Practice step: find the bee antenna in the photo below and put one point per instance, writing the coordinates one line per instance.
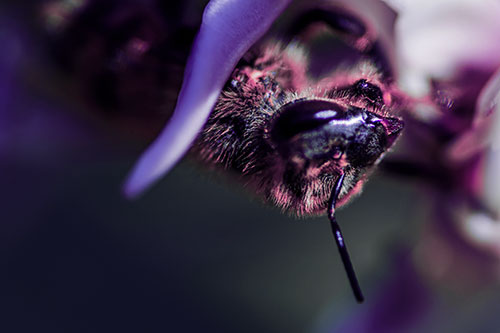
(339, 239)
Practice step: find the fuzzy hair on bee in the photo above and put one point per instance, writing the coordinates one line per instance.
(237, 136)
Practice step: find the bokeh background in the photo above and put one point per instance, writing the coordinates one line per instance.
(196, 253)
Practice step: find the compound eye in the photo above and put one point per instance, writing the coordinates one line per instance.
(304, 116)
(369, 91)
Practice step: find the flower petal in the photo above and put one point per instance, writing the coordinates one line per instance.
(229, 28)
(488, 104)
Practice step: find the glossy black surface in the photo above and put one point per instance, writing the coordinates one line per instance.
(339, 239)
(318, 129)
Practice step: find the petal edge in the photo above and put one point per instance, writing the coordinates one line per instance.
(229, 28)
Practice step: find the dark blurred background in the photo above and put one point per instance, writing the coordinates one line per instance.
(196, 253)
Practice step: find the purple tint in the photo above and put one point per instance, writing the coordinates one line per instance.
(228, 30)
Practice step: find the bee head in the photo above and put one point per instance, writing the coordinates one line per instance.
(303, 107)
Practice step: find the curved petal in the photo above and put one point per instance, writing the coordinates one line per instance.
(483, 139)
(229, 28)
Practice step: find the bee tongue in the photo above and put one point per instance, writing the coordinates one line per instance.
(339, 239)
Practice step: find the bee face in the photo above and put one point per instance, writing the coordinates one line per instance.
(289, 136)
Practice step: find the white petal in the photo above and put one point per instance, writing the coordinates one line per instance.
(435, 39)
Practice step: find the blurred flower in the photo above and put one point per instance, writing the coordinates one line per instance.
(447, 53)
(436, 40)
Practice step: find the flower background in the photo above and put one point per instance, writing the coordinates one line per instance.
(195, 253)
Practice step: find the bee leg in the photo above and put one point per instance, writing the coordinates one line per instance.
(339, 239)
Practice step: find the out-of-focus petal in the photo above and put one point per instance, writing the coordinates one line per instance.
(436, 39)
(484, 134)
(482, 142)
(491, 176)
(483, 137)
(228, 30)
(488, 102)
(484, 232)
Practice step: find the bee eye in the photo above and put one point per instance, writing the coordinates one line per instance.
(369, 91)
(304, 116)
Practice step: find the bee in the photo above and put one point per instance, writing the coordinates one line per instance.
(306, 142)
(290, 140)
(306, 115)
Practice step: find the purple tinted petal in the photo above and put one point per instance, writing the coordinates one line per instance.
(228, 30)
(489, 112)
(489, 99)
